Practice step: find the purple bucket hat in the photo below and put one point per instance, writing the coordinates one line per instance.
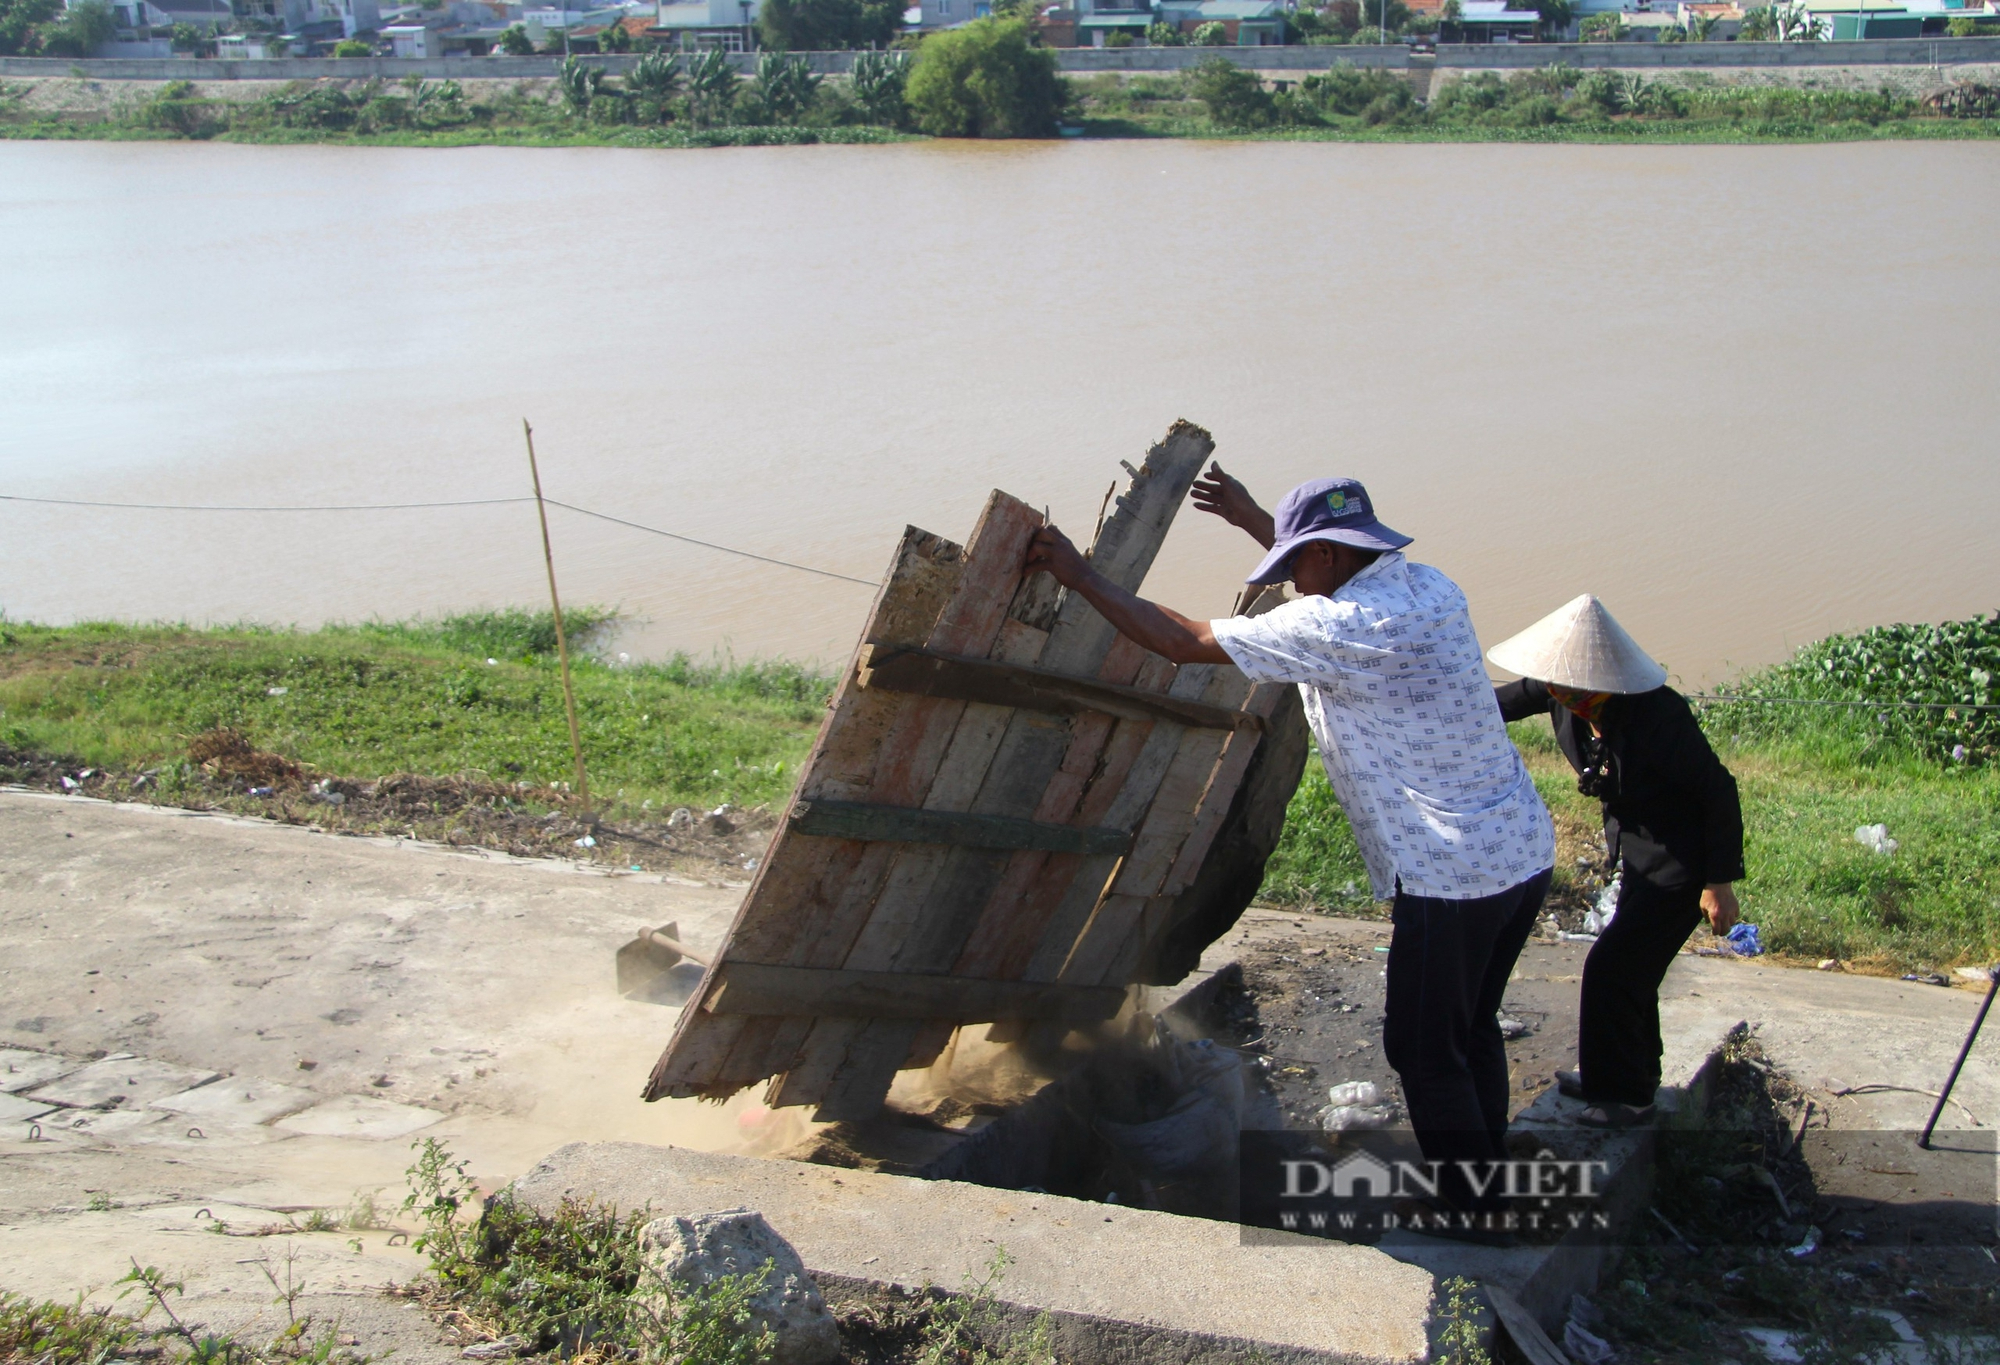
(1325, 509)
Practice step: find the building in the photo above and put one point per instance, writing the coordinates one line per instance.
(951, 13)
(1491, 21)
(694, 24)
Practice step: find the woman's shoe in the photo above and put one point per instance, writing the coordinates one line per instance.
(1570, 1083)
(1611, 1114)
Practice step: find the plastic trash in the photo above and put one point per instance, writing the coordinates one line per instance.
(1875, 838)
(1584, 1346)
(1806, 1247)
(69, 784)
(492, 663)
(682, 818)
(1598, 918)
(1743, 941)
(261, 791)
(1354, 1105)
(586, 842)
(1958, 753)
(1515, 1028)
(276, 691)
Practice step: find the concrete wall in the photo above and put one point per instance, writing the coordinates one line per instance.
(1498, 56)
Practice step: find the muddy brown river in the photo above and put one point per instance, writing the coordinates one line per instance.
(1746, 395)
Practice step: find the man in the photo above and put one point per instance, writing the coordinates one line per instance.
(1449, 823)
(1672, 823)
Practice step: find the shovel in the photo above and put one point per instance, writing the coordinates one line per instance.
(654, 951)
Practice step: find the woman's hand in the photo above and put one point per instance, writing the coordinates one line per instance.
(1718, 902)
(1220, 495)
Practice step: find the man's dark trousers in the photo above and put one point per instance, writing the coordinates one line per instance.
(1449, 961)
(1618, 1032)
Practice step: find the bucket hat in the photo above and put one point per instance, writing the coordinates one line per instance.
(1325, 509)
(1580, 645)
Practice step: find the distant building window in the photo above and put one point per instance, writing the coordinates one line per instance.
(944, 9)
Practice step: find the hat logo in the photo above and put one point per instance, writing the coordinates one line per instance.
(1336, 502)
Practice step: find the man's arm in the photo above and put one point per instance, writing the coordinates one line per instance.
(1167, 633)
(1222, 496)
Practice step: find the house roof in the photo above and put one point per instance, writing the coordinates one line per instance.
(1117, 19)
(1239, 9)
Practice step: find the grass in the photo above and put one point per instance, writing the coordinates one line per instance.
(361, 701)
(474, 694)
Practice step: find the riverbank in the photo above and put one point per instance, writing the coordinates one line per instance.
(1555, 103)
(468, 712)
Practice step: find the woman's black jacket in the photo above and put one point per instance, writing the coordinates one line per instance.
(1670, 807)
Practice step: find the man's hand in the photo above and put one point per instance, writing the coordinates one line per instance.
(1718, 902)
(1220, 495)
(1050, 552)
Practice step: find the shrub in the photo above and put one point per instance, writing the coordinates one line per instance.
(1235, 97)
(515, 42)
(579, 85)
(353, 47)
(1603, 28)
(1210, 34)
(1971, 28)
(1118, 37)
(1345, 90)
(986, 80)
(177, 109)
(1165, 35)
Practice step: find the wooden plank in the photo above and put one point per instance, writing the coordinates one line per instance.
(992, 594)
(900, 824)
(757, 988)
(1022, 769)
(925, 674)
(925, 572)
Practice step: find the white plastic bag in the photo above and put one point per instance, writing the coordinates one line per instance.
(1875, 838)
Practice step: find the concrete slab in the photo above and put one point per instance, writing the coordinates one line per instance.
(359, 1116)
(120, 1082)
(240, 1100)
(21, 1069)
(1119, 1285)
(14, 1109)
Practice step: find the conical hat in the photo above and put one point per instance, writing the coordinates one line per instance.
(1579, 645)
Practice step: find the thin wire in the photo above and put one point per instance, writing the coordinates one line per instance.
(187, 507)
(413, 506)
(1864, 705)
(711, 545)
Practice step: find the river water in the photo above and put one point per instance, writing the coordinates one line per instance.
(1746, 395)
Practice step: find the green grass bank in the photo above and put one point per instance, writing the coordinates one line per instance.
(477, 699)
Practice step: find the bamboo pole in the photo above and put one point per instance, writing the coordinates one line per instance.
(555, 605)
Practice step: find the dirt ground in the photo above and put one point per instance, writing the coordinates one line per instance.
(527, 821)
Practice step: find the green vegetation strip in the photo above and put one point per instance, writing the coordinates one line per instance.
(479, 695)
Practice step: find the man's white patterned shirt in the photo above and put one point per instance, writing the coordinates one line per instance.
(1399, 701)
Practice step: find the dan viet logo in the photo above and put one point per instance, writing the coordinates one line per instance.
(1366, 1193)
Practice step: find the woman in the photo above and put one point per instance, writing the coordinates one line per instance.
(1671, 821)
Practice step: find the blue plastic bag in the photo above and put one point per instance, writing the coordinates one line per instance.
(1743, 941)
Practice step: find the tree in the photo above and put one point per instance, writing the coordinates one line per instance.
(656, 76)
(786, 86)
(1603, 28)
(1796, 24)
(1210, 34)
(1449, 18)
(515, 42)
(19, 21)
(1555, 14)
(1235, 97)
(1757, 25)
(87, 27)
(827, 25)
(986, 79)
(1702, 29)
(616, 38)
(878, 80)
(579, 84)
(711, 82)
